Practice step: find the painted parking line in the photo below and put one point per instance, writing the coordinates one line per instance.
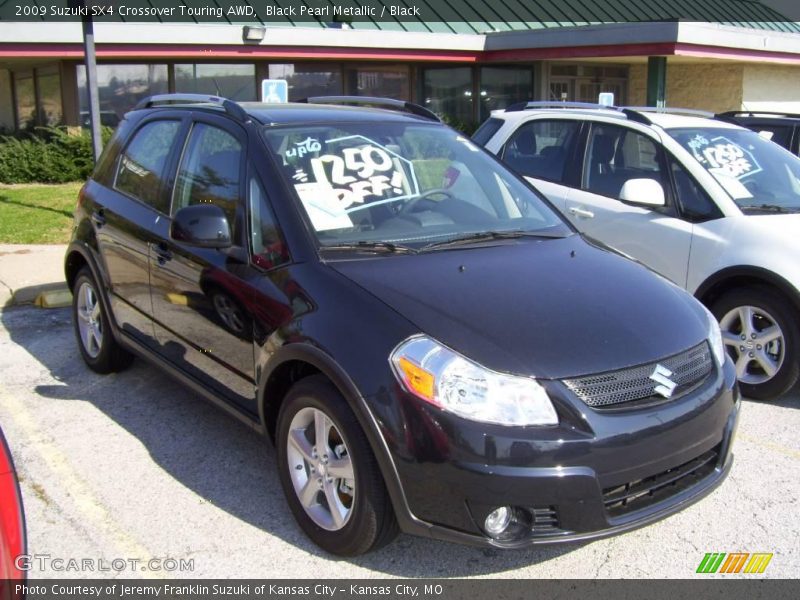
(90, 508)
(780, 449)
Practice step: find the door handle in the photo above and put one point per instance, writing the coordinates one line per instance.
(581, 212)
(99, 218)
(162, 253)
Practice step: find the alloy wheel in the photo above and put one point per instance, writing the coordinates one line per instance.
(755, 342)
(320, 469)
(90, 323)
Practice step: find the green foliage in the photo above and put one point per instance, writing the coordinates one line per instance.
(465, 127)
(47, 155)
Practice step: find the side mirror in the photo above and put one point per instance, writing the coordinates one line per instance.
(203, 225)
(645, 192)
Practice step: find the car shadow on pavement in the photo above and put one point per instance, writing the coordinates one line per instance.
(220, 459)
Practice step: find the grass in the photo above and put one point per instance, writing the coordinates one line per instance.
(37, 213)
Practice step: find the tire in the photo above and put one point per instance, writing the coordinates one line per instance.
(99, 349)
(363, 519)
(767, 359)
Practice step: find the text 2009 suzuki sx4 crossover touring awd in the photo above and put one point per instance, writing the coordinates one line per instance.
(429, 345)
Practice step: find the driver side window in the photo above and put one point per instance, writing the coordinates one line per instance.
(615, 155)
(210, 172)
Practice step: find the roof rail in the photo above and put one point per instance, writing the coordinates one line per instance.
(555, 104)
(387, 102)
(756, 113)
(668, 110)
(231, 107)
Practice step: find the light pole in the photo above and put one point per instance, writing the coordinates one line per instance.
(90, 61)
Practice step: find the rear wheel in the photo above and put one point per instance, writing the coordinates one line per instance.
(99, 349)
(329, 475)
(760, 335)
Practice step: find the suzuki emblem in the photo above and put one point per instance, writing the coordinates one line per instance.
(665, 385)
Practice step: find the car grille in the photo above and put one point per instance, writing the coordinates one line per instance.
(605, 390)
(639, 494)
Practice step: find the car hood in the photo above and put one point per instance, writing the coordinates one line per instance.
(550, 308)
(784, 225)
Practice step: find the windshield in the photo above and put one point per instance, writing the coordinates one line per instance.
(406, 184)
(759, 175)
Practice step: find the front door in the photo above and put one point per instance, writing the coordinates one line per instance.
(658, 237)
(201, 305)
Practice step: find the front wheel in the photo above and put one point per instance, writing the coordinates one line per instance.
(761, 337)
(329, 475)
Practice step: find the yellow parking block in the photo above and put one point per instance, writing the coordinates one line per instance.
(54, 299)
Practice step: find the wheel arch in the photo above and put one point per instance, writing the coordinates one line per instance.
(78, 256)
(730, 278)
(295, 361)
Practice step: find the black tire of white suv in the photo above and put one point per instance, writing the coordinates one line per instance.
(759, 329)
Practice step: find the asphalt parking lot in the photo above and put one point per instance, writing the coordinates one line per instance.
(133, 467)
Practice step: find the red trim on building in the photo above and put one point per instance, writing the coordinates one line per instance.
(168, 52)
(234, 52)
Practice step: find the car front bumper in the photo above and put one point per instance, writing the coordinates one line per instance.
(597, 474)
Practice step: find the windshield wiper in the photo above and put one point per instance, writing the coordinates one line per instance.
(771, 208)
(364, 246)
(488, 236)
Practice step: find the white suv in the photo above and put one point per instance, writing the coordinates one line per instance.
(707, 204)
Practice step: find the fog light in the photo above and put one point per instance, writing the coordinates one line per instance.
(498, 521)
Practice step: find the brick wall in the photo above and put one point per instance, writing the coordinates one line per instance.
(769, 87)
(716, 87)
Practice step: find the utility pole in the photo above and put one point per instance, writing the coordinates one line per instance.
(91, 80)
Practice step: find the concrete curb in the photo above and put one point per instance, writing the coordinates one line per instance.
(33, 274)
(46, 295)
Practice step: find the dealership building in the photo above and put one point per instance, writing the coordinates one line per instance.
(748, 60)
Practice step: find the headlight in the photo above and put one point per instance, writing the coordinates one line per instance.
(456, 384)
(715, 338)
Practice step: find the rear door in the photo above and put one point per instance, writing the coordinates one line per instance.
(658, 237)
(130, 213)
(544, 152)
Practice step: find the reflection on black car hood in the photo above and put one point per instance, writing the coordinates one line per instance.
(548, 308)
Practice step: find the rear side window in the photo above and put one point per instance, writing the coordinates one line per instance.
(209, 171)
(140, 171)
(486, 131)
(540, 148)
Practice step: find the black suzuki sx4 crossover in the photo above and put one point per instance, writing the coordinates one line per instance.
(430, 347)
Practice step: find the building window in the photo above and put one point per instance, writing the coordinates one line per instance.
(306, 80)
(237, 82)
(48, 87)
(584, 83)
(381, 82)
(503, 86)
(448, 92)
(120, 87)
(37, 97)
(25, 100)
